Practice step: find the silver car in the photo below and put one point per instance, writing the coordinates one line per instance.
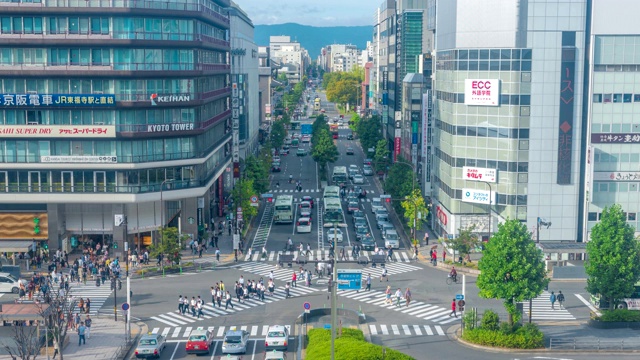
(367, 170)
(150, 346)
(235, 342)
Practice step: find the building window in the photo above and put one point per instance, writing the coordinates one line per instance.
(593, 216)
(626, 98)
(632, 216)
(617, 98)
(606, 98)
(597, 98)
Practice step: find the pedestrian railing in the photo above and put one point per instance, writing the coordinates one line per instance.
(594, 344)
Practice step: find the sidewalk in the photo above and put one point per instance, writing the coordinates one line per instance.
(107, 339)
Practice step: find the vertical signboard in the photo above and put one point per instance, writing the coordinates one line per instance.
(566, 114)
(235, 126)
(425, 123)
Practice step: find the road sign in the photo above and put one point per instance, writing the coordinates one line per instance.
(307, 306)
(191, 220)
(459, 297)
(254, 200)
(349, 279)
(125, 306)
(264, 196)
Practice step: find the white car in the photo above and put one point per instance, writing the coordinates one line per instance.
(303, 225)
(305, 209)
(391, 239)
(277, 338)
(358, 179)
(334, 234)
(376, 203)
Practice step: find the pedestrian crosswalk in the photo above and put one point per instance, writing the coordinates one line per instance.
(183, 332)
(174, 318)
(417, 309)
(98, 295)
(541, 309)
(402, 256)
(406, 330)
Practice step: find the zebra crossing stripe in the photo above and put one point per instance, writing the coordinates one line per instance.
(395, 330)
(415, 307)
(405, 328)
(176, 332)
(384, 330)
(187, 332)
(444, 322)
(416, 329)
(220, 331)
(436, 314)
(254, 331)
(439, 330)
(165, 321)
(427, 328)
(373, 330)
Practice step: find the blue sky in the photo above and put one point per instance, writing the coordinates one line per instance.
(311, 12)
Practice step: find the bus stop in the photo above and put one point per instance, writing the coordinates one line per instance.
(564, 258)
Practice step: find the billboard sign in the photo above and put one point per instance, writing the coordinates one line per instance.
(78, 159)
(478, 196)
(54, 100)
(482, 92)
(58, 131)
(349, 279)
(479, 174)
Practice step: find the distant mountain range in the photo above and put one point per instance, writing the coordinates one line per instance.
(313, 38)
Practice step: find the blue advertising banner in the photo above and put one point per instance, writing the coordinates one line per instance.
(349, 279)
(46, 100)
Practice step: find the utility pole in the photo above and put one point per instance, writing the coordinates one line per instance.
(334, 306)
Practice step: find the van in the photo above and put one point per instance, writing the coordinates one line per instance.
(9, 283)
(391, 239)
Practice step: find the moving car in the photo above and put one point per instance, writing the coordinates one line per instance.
(303, 225)
(235, 342)
(275, 355)
(200, 342)
(277, 338)
(382, 212)
(391, 238)
(305, 138)
(10, 283)
(350, 137)
(334, 234)
(308, 199)
(275, 167)
(376, 203)
(361, 231)
(150, 346)
(353, 169)
(285, 150)
(358, 214)
(368, 243)
(301, 152)
(358, 179)
(349, 151)
(305, 209)
(367, 170)
(384, 226)
(381, 218)
(361, 222)
(353, 206)
(367, 162)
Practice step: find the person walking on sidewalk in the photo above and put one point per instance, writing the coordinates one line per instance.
(407, 296)
(218, 254)
(426, 238)
(87, 323)
(368, 288)
(415, 253)
(453, 308)
(81, 332)
(398, 297)
(560, 299)
(553, 298)
(228, 301)
(444, 255)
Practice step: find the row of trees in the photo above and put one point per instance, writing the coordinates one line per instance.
(323, 149)
(343, 87)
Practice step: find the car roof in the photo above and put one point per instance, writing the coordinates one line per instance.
(305, 202)
(277, 327)
(304, 219)
(150, 336)
(234, 333)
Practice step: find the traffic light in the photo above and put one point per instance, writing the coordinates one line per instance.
(45, 246)
(115, 245)
(387, 200)
(269, 199)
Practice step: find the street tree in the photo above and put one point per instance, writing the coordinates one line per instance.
(464, 242)
(324, 150)
(613, 262)
(257, 171)
(278, 133)
(241, 195)
(369, 132)
(354, 122)
(415, 210)
(23, 343)
(170, 245)
(511, 267)
(381, 157)
(400, 179)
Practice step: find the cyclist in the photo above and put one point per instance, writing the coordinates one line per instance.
(290, 244)
(290, 178)
(453, 274)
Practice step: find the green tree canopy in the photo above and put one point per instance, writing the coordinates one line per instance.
(354, 122)
(278, 133)
(170, 245)
(415, 209)
(511, 267)
(241, 195)
(464, 242)
(369, 132)
(324, 150)
(381, 157)
(257, 171)
(613, 263)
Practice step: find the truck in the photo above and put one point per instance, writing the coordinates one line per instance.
(305, 129)
(333, 128)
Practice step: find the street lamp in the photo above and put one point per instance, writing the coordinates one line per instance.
(334, 286)
(539, 222)
(162, 202)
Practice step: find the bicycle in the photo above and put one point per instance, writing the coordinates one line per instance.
(450, 280)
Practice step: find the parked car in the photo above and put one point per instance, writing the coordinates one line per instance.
(235, 342)
(391, 238)
(308, 199)
(150, 346)
(358, 179)
(303, 225)
(349, 151)
(277, 338)
(334, 234)
(353, 206)
(200, 342)
(367, 170)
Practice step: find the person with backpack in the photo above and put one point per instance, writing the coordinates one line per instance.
(552, 298)
(560, 299)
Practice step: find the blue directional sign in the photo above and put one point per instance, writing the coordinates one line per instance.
(349, 279)
(459, 297)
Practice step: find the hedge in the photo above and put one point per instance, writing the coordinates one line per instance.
(619, 315)
(351, 345)
(524, 337)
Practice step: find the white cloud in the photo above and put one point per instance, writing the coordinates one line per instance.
(336, 12)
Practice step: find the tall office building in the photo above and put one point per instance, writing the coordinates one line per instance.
(115, 119)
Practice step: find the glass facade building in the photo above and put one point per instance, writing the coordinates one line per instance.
(109, 106)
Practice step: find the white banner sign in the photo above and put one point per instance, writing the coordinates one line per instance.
(479, 174)
(477, 196)
(482, 92)
(58, 131)
(616, 176)
(79, 159)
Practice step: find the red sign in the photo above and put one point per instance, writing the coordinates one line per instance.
(442, 216)
(397, 146)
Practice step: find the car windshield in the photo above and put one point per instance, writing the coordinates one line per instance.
(197, 338)
(353, 204)
(276, 334)
(147, 342)
(233, 339)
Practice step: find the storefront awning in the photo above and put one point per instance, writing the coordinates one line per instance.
(15, 245)
(561, 247)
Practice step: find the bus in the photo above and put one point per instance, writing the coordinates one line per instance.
(332, 211)
(332, 192)
(316, 104)
(630, 303)
(339, 176)
(334, 130)
(283, 209)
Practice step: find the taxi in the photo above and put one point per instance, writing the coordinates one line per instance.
(150, 346)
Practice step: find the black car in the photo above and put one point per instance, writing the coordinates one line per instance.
(350, 137)
(349, 151)
(368, 243)
(275, 168)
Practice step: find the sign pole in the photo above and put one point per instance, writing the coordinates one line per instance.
(334, 305)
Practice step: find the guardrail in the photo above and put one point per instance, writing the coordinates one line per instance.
(596, 344)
